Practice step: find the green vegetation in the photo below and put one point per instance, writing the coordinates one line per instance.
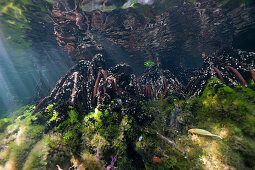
(229, 112)
(36, 157)
(14, 22)
(114, 129)
(4, 123)
(25, 146)
(149, 63)
(52, 114)
(71, 129)
(27, 137)
(222, 110)
(20, 136)
(76, 138)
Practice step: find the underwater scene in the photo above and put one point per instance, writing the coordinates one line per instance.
(127, 84)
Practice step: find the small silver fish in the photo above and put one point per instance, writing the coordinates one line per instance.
(203, 132)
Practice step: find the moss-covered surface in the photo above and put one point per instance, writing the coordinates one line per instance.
(88, 140)
(15, 21)
(230, 113)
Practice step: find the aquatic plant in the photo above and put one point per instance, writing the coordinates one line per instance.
(225, 111)
(16, 22)
(19, 138)
(94, 113)
(4, 123)
(142, 129)
(113, 130)
(89, 140)
(149, 63)
(229, 112)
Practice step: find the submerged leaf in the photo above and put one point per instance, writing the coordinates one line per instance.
(149, 63)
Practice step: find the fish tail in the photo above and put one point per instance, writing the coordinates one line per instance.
(219, 136)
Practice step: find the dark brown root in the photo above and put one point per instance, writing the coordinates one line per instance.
(104, 73)
(238, 75)
(96, 86)
(165, 90)
(164, 80)
(74, 91)
(252, 73)
(219, 74)
(192, 79)
(150, 90)
(40, 103)
(164, 94)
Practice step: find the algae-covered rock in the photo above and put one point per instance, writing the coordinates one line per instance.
(222, 110)
(230, 113)
(18, 139)
(113, 135)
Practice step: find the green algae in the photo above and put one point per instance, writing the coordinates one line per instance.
(229, 112)
(52, 113)
(36, 158)
(69, 128)
(149, 63)
(19, 149)
(4, 123)
(14, 23)
(74, 141)
(29, 147)
(221, 109)
(112, 129)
